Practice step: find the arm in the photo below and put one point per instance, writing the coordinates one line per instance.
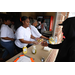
(24, 41)
(7, 38)
(46, 28)
(55, 46)
(34, 37)
(28, 42)
(44, 37)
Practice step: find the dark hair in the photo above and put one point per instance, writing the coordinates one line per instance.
(24, 18)
(42, 20)
(7, 18)
(13, 19)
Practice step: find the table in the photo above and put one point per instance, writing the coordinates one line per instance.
(37, 57)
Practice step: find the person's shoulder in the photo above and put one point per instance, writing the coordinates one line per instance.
(19, 29)
(31, 26)
(4, 26)
(28, 28)
(44, 23)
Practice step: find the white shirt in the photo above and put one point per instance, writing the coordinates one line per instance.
(6, 31)
(43, 29)
(22, 33)
(34, 32)
(39, 27)
(12, 27)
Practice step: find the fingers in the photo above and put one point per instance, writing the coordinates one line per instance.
(35, 42)
(44, 43)
(37, 39)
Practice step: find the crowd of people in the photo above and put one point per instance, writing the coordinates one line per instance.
(26, 34)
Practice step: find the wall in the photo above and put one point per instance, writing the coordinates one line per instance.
(50, 14)
(35, 14)
(61, 16)
(32, 14)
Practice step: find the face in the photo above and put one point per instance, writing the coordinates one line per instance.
(26, 23)
(8, 22)
(35, 23)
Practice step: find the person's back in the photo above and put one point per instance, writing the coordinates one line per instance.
(66, 51)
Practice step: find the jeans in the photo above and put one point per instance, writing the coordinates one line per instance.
(9, 48)
(18, 49)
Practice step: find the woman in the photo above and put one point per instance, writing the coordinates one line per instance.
(7, 38)
(67, 47)
(23, 35)
(35, 32)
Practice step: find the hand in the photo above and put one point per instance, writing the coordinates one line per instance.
(37, 39)
(44, 43)
(12, 39)
(35, 42)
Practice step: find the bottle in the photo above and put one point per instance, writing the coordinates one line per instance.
(24, 50)
(51, 40)
(55, 39)
(34, 50)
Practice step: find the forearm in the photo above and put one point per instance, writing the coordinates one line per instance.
(7, 38)
(32, 37)
(56, 46)
(44, 37)
(24, 41)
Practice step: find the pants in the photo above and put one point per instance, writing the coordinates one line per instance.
(9, 48)
(20, 49)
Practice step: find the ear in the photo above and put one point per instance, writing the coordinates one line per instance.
(23, 22)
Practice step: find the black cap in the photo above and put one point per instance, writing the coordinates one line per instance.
(61, 24)
(67, 21)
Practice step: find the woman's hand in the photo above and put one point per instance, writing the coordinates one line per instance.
(35, 42)
(37, 39)
(7, 38)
